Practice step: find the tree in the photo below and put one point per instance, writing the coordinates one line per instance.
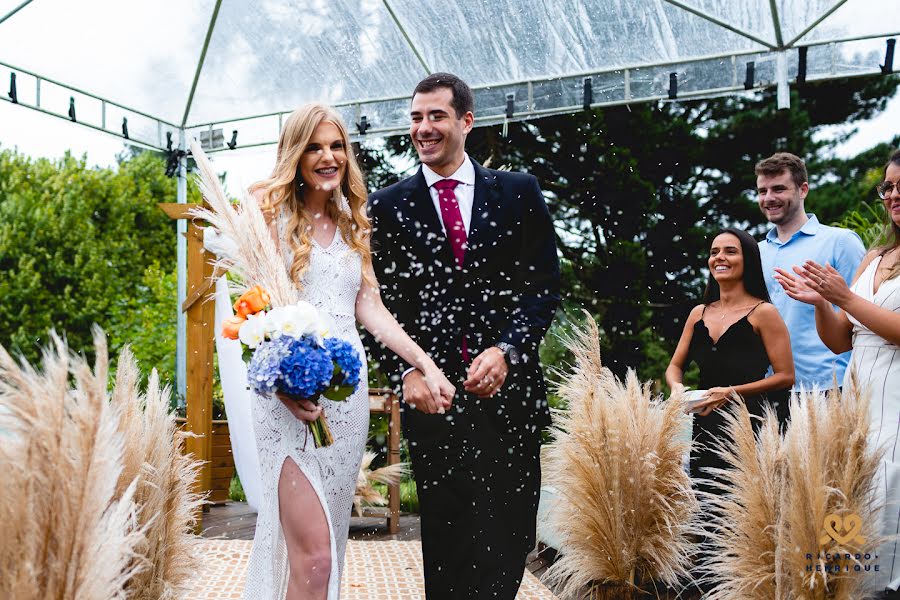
(82, 245)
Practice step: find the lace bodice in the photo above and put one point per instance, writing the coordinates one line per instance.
(331, 280)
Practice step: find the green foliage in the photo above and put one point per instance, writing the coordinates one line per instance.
(147, 319)
(409, 495)
(82, 245)
(236, 490)
(868, 221)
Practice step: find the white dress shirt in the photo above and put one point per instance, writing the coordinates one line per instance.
(465, 191)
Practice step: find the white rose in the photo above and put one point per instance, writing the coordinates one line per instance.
(253, 331)
(296, 320)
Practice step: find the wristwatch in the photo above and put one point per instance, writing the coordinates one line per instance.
(510, 352)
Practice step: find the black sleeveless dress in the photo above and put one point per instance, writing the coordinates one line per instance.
(737, 357)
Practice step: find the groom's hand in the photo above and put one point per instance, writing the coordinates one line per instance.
(487, 373)
(418, 396)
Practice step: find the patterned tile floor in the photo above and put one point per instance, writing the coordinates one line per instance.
(389, 570)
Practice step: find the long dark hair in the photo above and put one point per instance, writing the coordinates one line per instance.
(754, 282)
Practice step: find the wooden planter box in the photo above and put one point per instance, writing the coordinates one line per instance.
(222, 463)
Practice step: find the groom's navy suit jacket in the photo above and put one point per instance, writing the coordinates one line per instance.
(507, 290)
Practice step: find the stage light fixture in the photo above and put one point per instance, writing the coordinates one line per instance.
(13, 95)
(125, 128)
(588, 93)
(673, 86)
(750, 78)
(801, 65)
(72, 109)
(363, 126)
(888, 66)
(233, 143)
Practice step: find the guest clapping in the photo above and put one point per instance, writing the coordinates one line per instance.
(868, 322)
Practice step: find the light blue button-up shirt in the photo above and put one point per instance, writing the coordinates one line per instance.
(814, 363)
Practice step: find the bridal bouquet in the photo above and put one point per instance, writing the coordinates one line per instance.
(292, 354)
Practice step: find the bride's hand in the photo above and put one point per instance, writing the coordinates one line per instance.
(440, 387)
(305, 410)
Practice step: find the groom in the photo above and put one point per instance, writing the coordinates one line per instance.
(466, 259)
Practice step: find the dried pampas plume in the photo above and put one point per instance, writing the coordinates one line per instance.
(742, 521)
(165, 497)
(68, 528)
(830, 469)
(366, 493)
(767, 538)
(627, 508)
(251, 254)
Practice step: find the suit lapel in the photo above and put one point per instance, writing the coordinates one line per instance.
(424, 221)
(486, 201)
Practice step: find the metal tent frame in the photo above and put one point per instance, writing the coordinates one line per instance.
(757, 61)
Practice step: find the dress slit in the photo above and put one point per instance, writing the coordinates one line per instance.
(282, 543)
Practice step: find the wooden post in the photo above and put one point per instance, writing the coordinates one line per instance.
(200, 322)
(393, 458)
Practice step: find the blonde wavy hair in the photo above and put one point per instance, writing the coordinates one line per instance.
(283, 189)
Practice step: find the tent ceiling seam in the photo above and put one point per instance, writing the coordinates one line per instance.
(209, 32)
(816, 23)
(409, 41)
(776, 24)
(547, 78)
(15, 10)
(720, 23)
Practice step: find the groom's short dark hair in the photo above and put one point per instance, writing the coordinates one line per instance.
(463, 101)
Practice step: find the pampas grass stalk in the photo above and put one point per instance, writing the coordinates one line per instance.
(778, 492)
(254, 256)
(742, 523)
(366, 493)
(167, 502)
(627, 508)
(66, 531)
(831, 468)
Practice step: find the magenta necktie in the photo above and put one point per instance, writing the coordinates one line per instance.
(456, 230)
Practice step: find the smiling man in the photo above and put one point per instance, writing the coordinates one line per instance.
(782, 185)
(466, 259)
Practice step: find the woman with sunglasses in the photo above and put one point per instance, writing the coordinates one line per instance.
(868, 322)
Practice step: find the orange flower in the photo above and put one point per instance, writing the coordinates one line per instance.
(251, 302)
(231, 326)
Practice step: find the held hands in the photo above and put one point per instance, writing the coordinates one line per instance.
(487, 373)
(305, 410)
(430, 392)
(715, 399)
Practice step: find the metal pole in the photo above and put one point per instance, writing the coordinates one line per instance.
(781, 80)
(181, 339)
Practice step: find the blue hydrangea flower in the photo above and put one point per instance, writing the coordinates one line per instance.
(264, 372)
(306, 370)
(346, 358)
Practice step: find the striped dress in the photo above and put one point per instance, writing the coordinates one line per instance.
(877, 364)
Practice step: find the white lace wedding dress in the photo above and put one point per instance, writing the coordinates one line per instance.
(330, 283)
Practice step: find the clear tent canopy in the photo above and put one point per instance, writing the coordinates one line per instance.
(156, 72)
(143, 69)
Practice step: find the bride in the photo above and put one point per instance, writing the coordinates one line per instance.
(315, 203)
